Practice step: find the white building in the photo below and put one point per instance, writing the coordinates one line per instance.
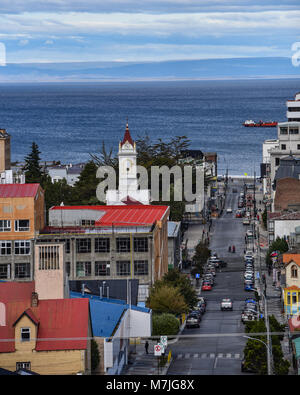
(128, 191)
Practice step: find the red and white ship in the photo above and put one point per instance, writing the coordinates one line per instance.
(269, 124)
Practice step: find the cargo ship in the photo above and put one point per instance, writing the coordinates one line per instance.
(269, 124)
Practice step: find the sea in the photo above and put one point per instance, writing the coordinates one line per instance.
(70, 121)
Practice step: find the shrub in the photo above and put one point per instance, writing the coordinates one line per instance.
(164, 325)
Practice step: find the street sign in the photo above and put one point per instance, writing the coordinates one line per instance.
(157, 350)
(164, 340)
(197, 275)
(162, 347)
(257, 275)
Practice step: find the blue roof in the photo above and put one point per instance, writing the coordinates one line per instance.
(106, 313)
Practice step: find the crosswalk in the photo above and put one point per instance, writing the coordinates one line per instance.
(207, 355)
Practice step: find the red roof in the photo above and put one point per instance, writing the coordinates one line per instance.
(123, 215)
(127, 137)
(66, 321)
(18, 190)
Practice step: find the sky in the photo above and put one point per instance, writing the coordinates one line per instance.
(146, 30)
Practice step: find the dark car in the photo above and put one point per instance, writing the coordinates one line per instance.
(223, 264)
(193, 320)
(197, 312)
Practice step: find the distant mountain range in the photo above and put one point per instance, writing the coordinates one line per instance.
(233, 68)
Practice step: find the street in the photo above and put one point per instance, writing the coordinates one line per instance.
(213, 349)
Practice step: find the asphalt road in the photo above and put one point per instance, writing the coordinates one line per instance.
(214, 349)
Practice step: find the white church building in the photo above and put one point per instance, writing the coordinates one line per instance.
(128, 192)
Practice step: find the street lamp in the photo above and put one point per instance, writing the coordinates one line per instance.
(268, 352)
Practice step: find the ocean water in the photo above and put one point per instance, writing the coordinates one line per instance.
(70, 121)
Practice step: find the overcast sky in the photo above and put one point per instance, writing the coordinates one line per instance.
(146, 30)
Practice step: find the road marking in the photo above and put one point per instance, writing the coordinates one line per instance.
(187, 356)
(179, 356)
(196, 355)
(237, 356)
(220, 356)
(204, 355)
(228, 355)
(211, 355)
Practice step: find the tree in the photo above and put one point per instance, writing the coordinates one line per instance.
(164, 325)
(280, 245)
(33, 169)
(176, 279)
(95, 357)
(85, 187)
(166, 299)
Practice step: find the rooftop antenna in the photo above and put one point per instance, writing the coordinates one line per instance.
(82, 289)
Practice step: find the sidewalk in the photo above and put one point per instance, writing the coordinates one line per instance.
(141, 363)
(273, 294)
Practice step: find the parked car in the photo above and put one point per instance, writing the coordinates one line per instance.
(226, 304)
(197, 312)
(206, 286)
(246, 221)
(229, 210)
(248, 316)
(250, 300)
(248, 255)
(193, 320)
(238, 214)
(248, 287)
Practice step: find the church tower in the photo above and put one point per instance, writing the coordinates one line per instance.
(128, 192)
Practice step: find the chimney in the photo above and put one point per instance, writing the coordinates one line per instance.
(34, 299)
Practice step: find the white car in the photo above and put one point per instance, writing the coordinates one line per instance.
(229, 210)
(248, 255)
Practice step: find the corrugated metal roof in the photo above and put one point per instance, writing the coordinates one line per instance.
(133, 215)
(63, 321)
(18, 190)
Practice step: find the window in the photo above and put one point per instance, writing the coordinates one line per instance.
(83, 245)
(294, 298)
(294, 131)
(276, 161)
(141, 244)
(141, 268)
(87, 222)
(22, 270)
(283, 130)
(123, 268)
(102, 244)
(23, 365)
(5, 225)
(25, 334)
(49, 257)
(294, 271)
(298, 146)
(123, 244)
(68, 268)
(283, 146)
(5, 271)
(83, 269)
(102, 268)
(22, 225)
(22, 247)
(5, 247)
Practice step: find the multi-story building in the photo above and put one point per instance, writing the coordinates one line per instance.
(22, 216)
(8, 175)
(112, 242)
(287, 143)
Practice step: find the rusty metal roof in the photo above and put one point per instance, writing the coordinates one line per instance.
(18, 190)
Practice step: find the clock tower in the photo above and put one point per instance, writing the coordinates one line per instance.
(128, 192)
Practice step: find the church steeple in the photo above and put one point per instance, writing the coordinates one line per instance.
(127, 137)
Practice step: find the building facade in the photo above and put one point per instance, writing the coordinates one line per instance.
(112, 242)
(22, 216)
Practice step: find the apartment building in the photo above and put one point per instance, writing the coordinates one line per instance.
(111, 242)
(21, 218)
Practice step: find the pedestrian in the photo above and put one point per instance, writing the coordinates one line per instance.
(229, 249)
(146, 347)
